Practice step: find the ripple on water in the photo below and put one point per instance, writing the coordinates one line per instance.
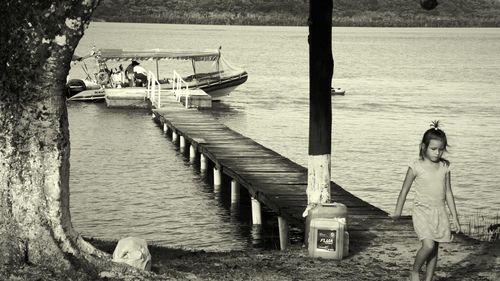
(127, 179)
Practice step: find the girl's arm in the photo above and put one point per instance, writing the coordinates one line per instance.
(410, 176)
(450, 200)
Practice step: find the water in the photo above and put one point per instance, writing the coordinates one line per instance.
(397, 80)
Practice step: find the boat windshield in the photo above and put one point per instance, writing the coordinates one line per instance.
(219, 68)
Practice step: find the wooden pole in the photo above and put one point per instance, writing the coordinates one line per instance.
(283, 230)
(235, 192)
(256, 212)
(217, 177)
(157, 71)
(203, 163)
(192, 153)
(182, 143)
(320, 110)
(174, 136)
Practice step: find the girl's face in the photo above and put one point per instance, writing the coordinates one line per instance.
(434, 150)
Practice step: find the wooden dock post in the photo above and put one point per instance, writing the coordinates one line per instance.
(235, 192)
(203, 163)
(192, 153)
(217, 180)
(174, 136)
(256, 212)
(283, 230)
(217, 177)
(182, 143)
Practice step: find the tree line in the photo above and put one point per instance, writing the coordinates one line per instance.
(380, 13)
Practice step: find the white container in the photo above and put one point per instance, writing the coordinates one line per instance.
(325, 211)
(326, 231)
(328, 238)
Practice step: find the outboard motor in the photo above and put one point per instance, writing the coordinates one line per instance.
(75, 86)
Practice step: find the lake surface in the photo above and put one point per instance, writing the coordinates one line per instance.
(127, 179)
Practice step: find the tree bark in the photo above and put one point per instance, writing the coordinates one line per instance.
(38, 40)
(320, 110)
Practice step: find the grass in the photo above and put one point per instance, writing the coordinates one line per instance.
(481, 226)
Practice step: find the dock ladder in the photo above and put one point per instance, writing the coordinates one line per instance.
(180, 88)
(153, 92)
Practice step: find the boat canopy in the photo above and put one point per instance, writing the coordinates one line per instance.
(155, 54)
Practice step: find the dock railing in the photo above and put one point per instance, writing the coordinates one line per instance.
(177, 87)
(154, 90)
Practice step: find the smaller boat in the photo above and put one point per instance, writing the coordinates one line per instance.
(337, 92)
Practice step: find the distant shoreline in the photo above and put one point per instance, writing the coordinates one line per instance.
(363, 13)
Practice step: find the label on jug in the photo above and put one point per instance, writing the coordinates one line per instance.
(326, 240)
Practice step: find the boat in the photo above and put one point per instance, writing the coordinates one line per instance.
(210, 71)
(337, 92)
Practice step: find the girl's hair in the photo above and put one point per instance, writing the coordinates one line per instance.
(434, 133)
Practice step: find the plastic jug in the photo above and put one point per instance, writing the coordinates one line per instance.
(326, 211)
(326, 231)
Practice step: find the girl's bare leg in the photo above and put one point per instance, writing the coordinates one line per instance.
(422, 255)
(431, 263)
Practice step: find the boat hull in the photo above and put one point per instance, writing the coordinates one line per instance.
(222, 88)
(338, 92)
(89, 96)
(216, 88)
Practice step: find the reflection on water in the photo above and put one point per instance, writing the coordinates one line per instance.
(128, 179)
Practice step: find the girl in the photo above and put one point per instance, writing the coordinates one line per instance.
(430, 174)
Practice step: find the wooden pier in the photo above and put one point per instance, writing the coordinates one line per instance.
(270, 178)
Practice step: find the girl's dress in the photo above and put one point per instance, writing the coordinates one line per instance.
(430, 218)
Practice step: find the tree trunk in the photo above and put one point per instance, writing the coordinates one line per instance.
(35, 220)
(320, 111)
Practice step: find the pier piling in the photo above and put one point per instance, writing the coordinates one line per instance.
(235, 192)
(203, 163)
(192, 153)
(217, 177)
(174, 136)
(256, 212)
(182, 143)
(283, 230)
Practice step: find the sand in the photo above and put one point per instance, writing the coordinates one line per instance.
(379, 259)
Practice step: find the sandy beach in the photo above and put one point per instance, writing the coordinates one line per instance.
(382, 260)
(462, 259)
